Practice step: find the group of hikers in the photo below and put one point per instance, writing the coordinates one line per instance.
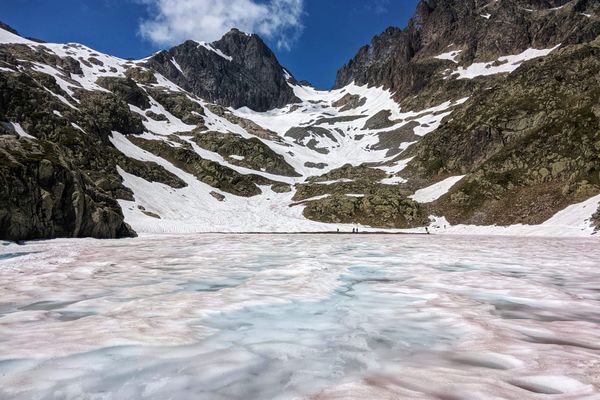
(355, 230)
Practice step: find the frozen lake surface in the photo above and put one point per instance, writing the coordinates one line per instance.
(301, 317)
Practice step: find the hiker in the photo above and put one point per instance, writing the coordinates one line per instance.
(353, 230)
(427, 230)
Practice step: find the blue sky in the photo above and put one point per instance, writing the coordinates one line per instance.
(312, 38)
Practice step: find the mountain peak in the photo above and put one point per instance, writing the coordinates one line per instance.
(238, 70)
(236, 31)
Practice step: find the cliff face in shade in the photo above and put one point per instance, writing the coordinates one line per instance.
(236, 71)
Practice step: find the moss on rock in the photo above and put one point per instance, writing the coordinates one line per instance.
(251, 153)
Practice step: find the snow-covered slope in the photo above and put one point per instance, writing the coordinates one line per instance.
(355, 125)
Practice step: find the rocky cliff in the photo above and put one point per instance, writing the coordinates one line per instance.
(239, 70)
(466, 31)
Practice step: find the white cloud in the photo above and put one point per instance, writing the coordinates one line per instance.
(175, 21)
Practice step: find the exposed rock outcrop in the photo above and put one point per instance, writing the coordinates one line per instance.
(403, 60)
(238, 70)
(44, 196)
(250, 153)
(531, 145)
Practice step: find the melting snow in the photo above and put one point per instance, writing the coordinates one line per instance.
(449, 56)
(300, 317)
(435, 191)
(20, 131)
(507, 64)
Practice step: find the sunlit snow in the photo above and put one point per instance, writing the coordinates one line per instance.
(300, 317)
(502, 65)
(435, 191)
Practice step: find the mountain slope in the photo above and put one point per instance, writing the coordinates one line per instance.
(487, 131)
(532, 149)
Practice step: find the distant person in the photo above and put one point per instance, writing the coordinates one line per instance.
(353, 230)
(338, 230)
(427, 230)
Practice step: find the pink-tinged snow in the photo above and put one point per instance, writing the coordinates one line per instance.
(507, 64)
(300, 317)
(435, 191)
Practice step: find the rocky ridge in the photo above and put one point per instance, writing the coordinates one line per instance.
(239, 70)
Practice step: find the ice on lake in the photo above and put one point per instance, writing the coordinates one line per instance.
(300, 317)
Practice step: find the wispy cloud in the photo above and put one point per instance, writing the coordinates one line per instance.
(174, 21)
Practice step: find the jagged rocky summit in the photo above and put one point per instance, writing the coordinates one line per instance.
(478, 113)
(239, 70)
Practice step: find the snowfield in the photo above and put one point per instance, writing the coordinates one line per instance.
(300, 317)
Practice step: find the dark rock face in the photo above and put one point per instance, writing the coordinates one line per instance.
(402, 60)
(179, 105)
(126, 89)
(209, 172)
(245, 73)
(105, 113)
(386, 210)
(596, 220)
(64, 182)
(42, 196)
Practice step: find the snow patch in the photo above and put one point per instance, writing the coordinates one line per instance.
(19, 130)
(506, 64)
(574, 221)
(176, 65)
(8, 37)
(451, 55)
(435, 191)
(210, 47)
